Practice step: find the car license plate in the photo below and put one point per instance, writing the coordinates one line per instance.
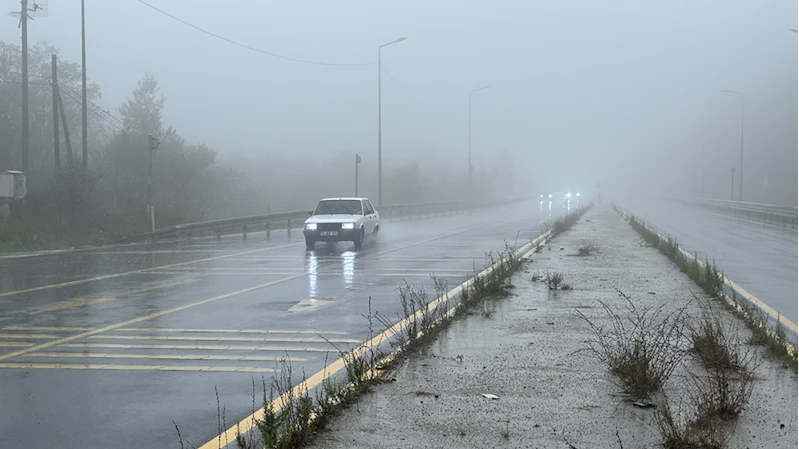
(326, 233)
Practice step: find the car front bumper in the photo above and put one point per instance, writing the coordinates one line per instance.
(342, 235)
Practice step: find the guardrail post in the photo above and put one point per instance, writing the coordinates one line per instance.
(288, 227)
(268, 231)
(244, 232)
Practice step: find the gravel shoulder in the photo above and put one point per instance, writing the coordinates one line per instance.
(527, 350)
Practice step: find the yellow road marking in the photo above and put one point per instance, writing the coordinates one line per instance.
(46, 328)
(739, 290)
(330, 370)
(242, 339)
(75, 303)
(142, 271)
(144, 318)
(82, 366)
(430, 240)
(230, 331)
(428, 259)
(212, 269)
(320, 273)
(99, 355)
(12, 344)
(87, 301)
(751, 298)
(283, 349)
(32, 336)
(215, 273)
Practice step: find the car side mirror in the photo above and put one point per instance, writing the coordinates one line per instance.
(310, 213)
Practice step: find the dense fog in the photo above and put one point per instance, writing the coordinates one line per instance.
(262, 106)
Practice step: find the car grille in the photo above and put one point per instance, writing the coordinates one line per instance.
(329, 226)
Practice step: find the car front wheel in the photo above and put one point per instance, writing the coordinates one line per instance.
(359, 241)
(309, 244)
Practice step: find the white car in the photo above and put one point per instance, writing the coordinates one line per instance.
(341, 220)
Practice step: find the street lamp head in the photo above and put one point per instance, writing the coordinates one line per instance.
(478, 90)
(792, 29)
(393, 42)
(730, 91)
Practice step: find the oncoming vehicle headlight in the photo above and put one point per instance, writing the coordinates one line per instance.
(348, 226)
(311, 226)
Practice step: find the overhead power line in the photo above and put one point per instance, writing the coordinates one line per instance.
(112, 116)
(403, 91)
(247, 47)
(93, 111)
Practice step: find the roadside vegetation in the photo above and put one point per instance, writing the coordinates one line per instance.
(638, 345)
(642, 347)
(707, 275)
(421, 320)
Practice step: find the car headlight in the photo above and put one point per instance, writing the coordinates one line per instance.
(311, 226)
(578, 194)
(348, 226)
(550, 195)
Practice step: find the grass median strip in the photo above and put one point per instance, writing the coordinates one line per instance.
(291, 418)
(745, 306)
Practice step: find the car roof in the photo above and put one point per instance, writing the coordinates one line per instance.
(345, 198)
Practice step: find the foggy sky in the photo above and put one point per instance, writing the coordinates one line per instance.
(619, 92)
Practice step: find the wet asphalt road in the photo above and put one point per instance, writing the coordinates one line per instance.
(761, 258)
(106, 348)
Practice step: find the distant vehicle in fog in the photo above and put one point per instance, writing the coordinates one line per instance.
(341, 220)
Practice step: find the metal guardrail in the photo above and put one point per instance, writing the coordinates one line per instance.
(296, 219)
(763, 213)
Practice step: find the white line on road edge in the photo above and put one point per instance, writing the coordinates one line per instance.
(739, 291)
(248, 423)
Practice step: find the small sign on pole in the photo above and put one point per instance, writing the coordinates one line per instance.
(357, 162)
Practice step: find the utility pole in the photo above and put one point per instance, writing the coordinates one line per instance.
(152, 144)
(732, 184)
(85, 154)
(25, 125)
(67, 140)
(357, 162)
(470, 138)
(56, 137)
(380, 120)
(741, 166)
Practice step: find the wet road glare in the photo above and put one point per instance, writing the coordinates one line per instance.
(107, 347)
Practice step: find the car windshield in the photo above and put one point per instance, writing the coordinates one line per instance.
(334, 207)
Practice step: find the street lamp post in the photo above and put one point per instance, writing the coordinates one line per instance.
(741, 166)
(380, 121)
(470, 137)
